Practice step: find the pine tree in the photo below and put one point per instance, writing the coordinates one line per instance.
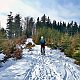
(64, 27)
(38, 20)
(10, 26)
(74, 28)
(71, 26)
(61, 27)
(58, 26)
(38, 23)
(54, 24)
(69, 29)
(17, 26)
(43, 20)
(48, 22)
(79, 29)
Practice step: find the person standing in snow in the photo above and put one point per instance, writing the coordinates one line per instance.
(42, 42)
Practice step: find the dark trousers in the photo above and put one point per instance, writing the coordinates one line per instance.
(43, 49)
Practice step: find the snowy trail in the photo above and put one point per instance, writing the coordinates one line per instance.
(48, 68)
(34, 66)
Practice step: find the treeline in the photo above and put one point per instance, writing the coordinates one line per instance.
(16, 26)
(70, 28)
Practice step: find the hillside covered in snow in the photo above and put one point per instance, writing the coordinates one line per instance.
(34, 66)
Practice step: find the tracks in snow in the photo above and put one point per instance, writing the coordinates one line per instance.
(53, 66)
(48, 68)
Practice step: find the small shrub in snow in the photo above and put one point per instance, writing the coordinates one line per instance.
(17, 54)
(77, 62)
(30, 45)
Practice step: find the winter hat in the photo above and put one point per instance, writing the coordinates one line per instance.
(41, 37)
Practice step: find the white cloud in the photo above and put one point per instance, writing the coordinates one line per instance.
(5, 5)
(25, 9)
(16, 6)
(67, 12)
(56, 11)
(3, 21)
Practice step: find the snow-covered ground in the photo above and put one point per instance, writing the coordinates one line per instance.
(34, 66)
(2, 56)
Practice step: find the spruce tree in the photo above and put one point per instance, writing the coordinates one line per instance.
(54, 24)
(58, 26)
(10, 26)
(17, 26)
(38, 23)
(74, 28)
(43, 20)
(79, 29)
(69, 29)
(64, 27)
(48, 22)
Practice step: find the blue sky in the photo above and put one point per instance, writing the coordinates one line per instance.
(59, 10)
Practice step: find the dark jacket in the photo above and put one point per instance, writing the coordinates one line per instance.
(42, 42)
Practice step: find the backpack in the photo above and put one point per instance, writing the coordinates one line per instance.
(42, 41)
